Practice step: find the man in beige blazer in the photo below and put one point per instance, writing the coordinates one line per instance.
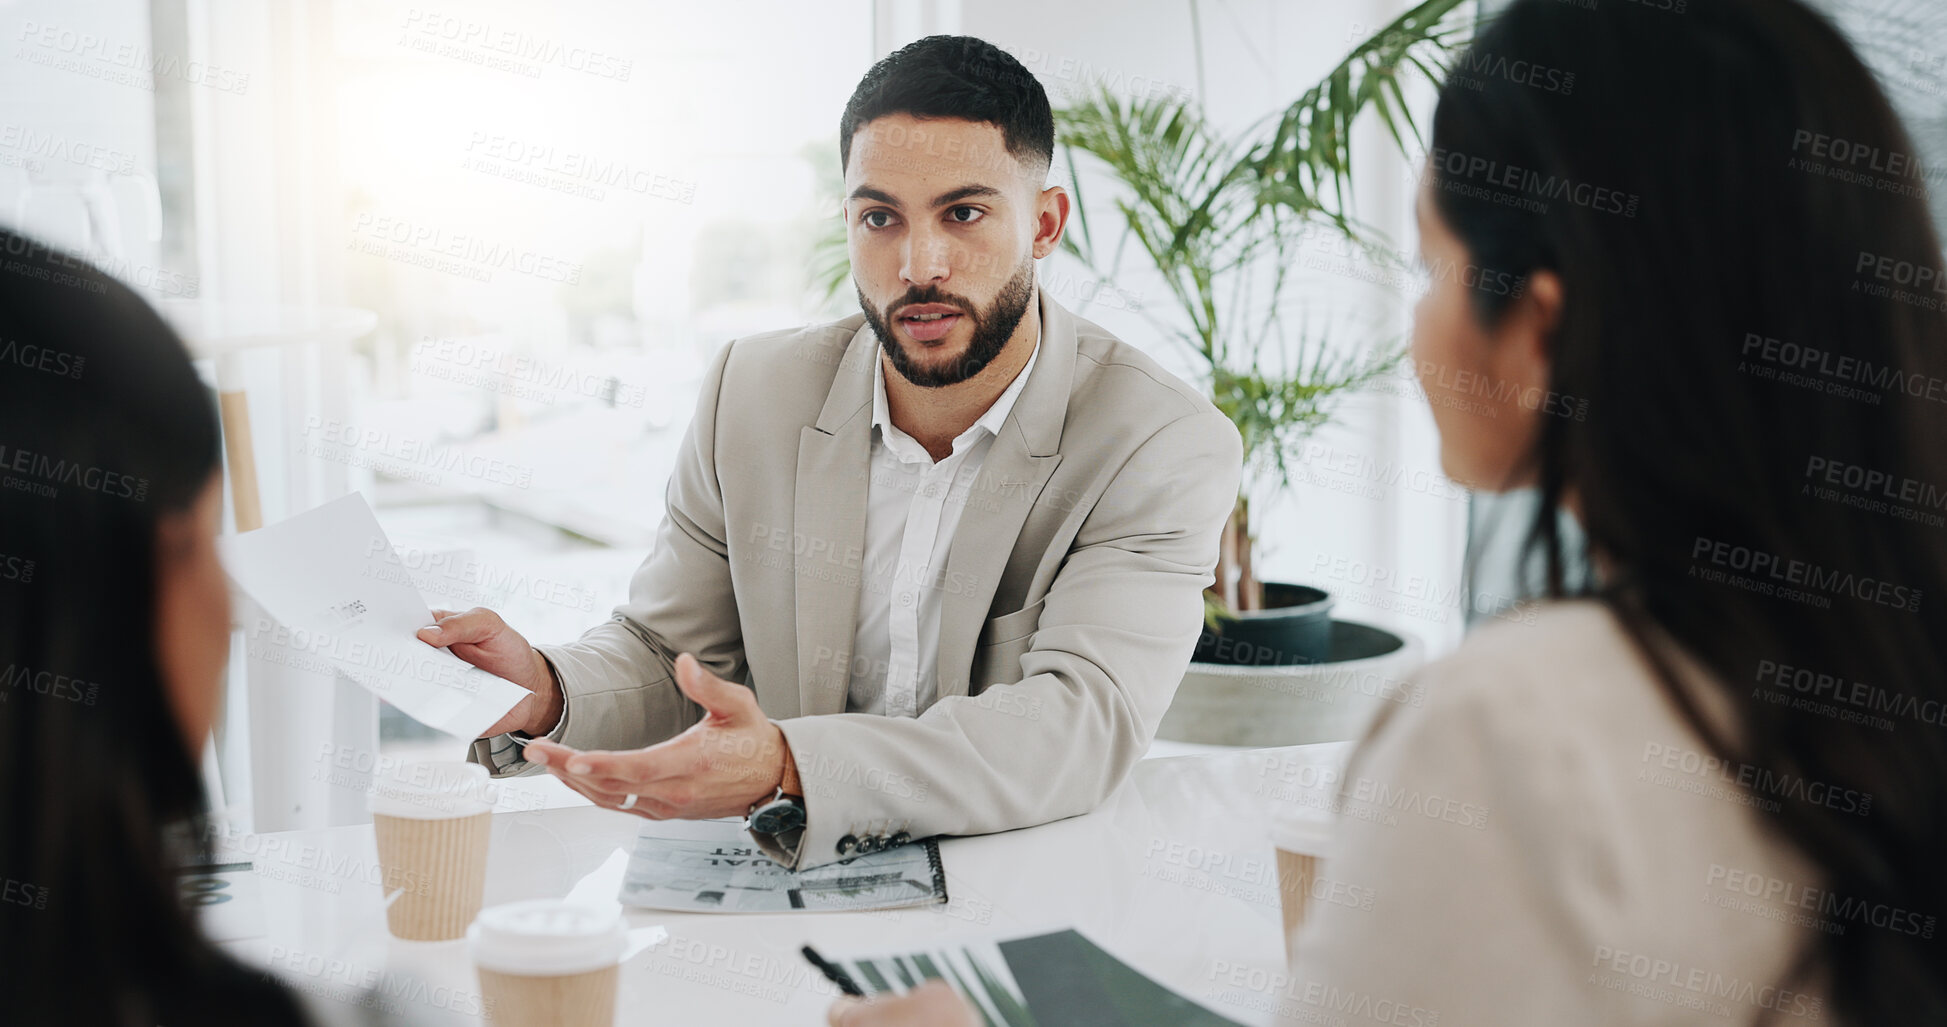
(1017, 661)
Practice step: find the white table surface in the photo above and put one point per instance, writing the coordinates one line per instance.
(1173, 874)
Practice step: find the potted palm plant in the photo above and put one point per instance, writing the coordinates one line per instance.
(1218, 219)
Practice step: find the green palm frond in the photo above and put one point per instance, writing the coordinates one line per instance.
(1306, 164)
(829, 264)
(1275, 414)
(1191, 209)
(830, 268)
(1220, 219)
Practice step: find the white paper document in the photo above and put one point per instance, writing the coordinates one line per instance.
(339, 602)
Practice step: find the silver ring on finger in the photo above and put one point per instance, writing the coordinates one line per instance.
(628, 803)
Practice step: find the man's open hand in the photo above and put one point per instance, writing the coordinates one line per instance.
(731, 758)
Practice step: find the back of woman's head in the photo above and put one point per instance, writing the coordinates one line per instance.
(105, 431)
(1752, 324)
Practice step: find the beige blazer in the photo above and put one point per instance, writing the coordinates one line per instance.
(1545, 841)
(1073, 589)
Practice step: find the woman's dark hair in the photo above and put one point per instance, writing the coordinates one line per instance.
(105, 429)
(1753, 313)
(955, 77)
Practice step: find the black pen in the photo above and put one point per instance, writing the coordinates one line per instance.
(833, 972)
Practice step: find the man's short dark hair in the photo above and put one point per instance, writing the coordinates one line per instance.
(955, 77)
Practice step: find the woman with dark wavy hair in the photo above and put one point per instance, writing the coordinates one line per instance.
(114, 629)
(1710, 785)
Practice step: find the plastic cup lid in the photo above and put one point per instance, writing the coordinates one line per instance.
(430, 790)
(1309, 834)
(542, 937)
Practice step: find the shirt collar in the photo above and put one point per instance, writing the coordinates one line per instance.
(995, 416)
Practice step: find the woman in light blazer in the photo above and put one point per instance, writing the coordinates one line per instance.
(1713, 781)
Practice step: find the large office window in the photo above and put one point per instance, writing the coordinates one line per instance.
(467, 259)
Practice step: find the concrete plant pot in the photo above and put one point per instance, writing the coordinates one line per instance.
(1293, 704)
(1295, 626)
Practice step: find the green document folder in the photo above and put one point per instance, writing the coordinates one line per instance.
(1057, 979)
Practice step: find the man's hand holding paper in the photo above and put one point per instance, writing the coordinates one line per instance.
(482, 639)
(336, 604)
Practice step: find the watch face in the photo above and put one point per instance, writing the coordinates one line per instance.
(777, 817)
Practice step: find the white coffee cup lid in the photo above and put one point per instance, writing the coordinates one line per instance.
(1311, 834)
(545, 937)
(430, 790)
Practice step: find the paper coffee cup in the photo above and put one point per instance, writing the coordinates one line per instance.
(547, 961)
(432, 821)
(1302, 843)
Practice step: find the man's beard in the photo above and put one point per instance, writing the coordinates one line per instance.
(992, 328)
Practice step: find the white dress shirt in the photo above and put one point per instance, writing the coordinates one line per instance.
(912, 508)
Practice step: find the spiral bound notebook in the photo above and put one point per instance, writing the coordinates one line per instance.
(712, 866)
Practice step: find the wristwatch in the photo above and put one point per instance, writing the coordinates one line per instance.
(776, 815)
